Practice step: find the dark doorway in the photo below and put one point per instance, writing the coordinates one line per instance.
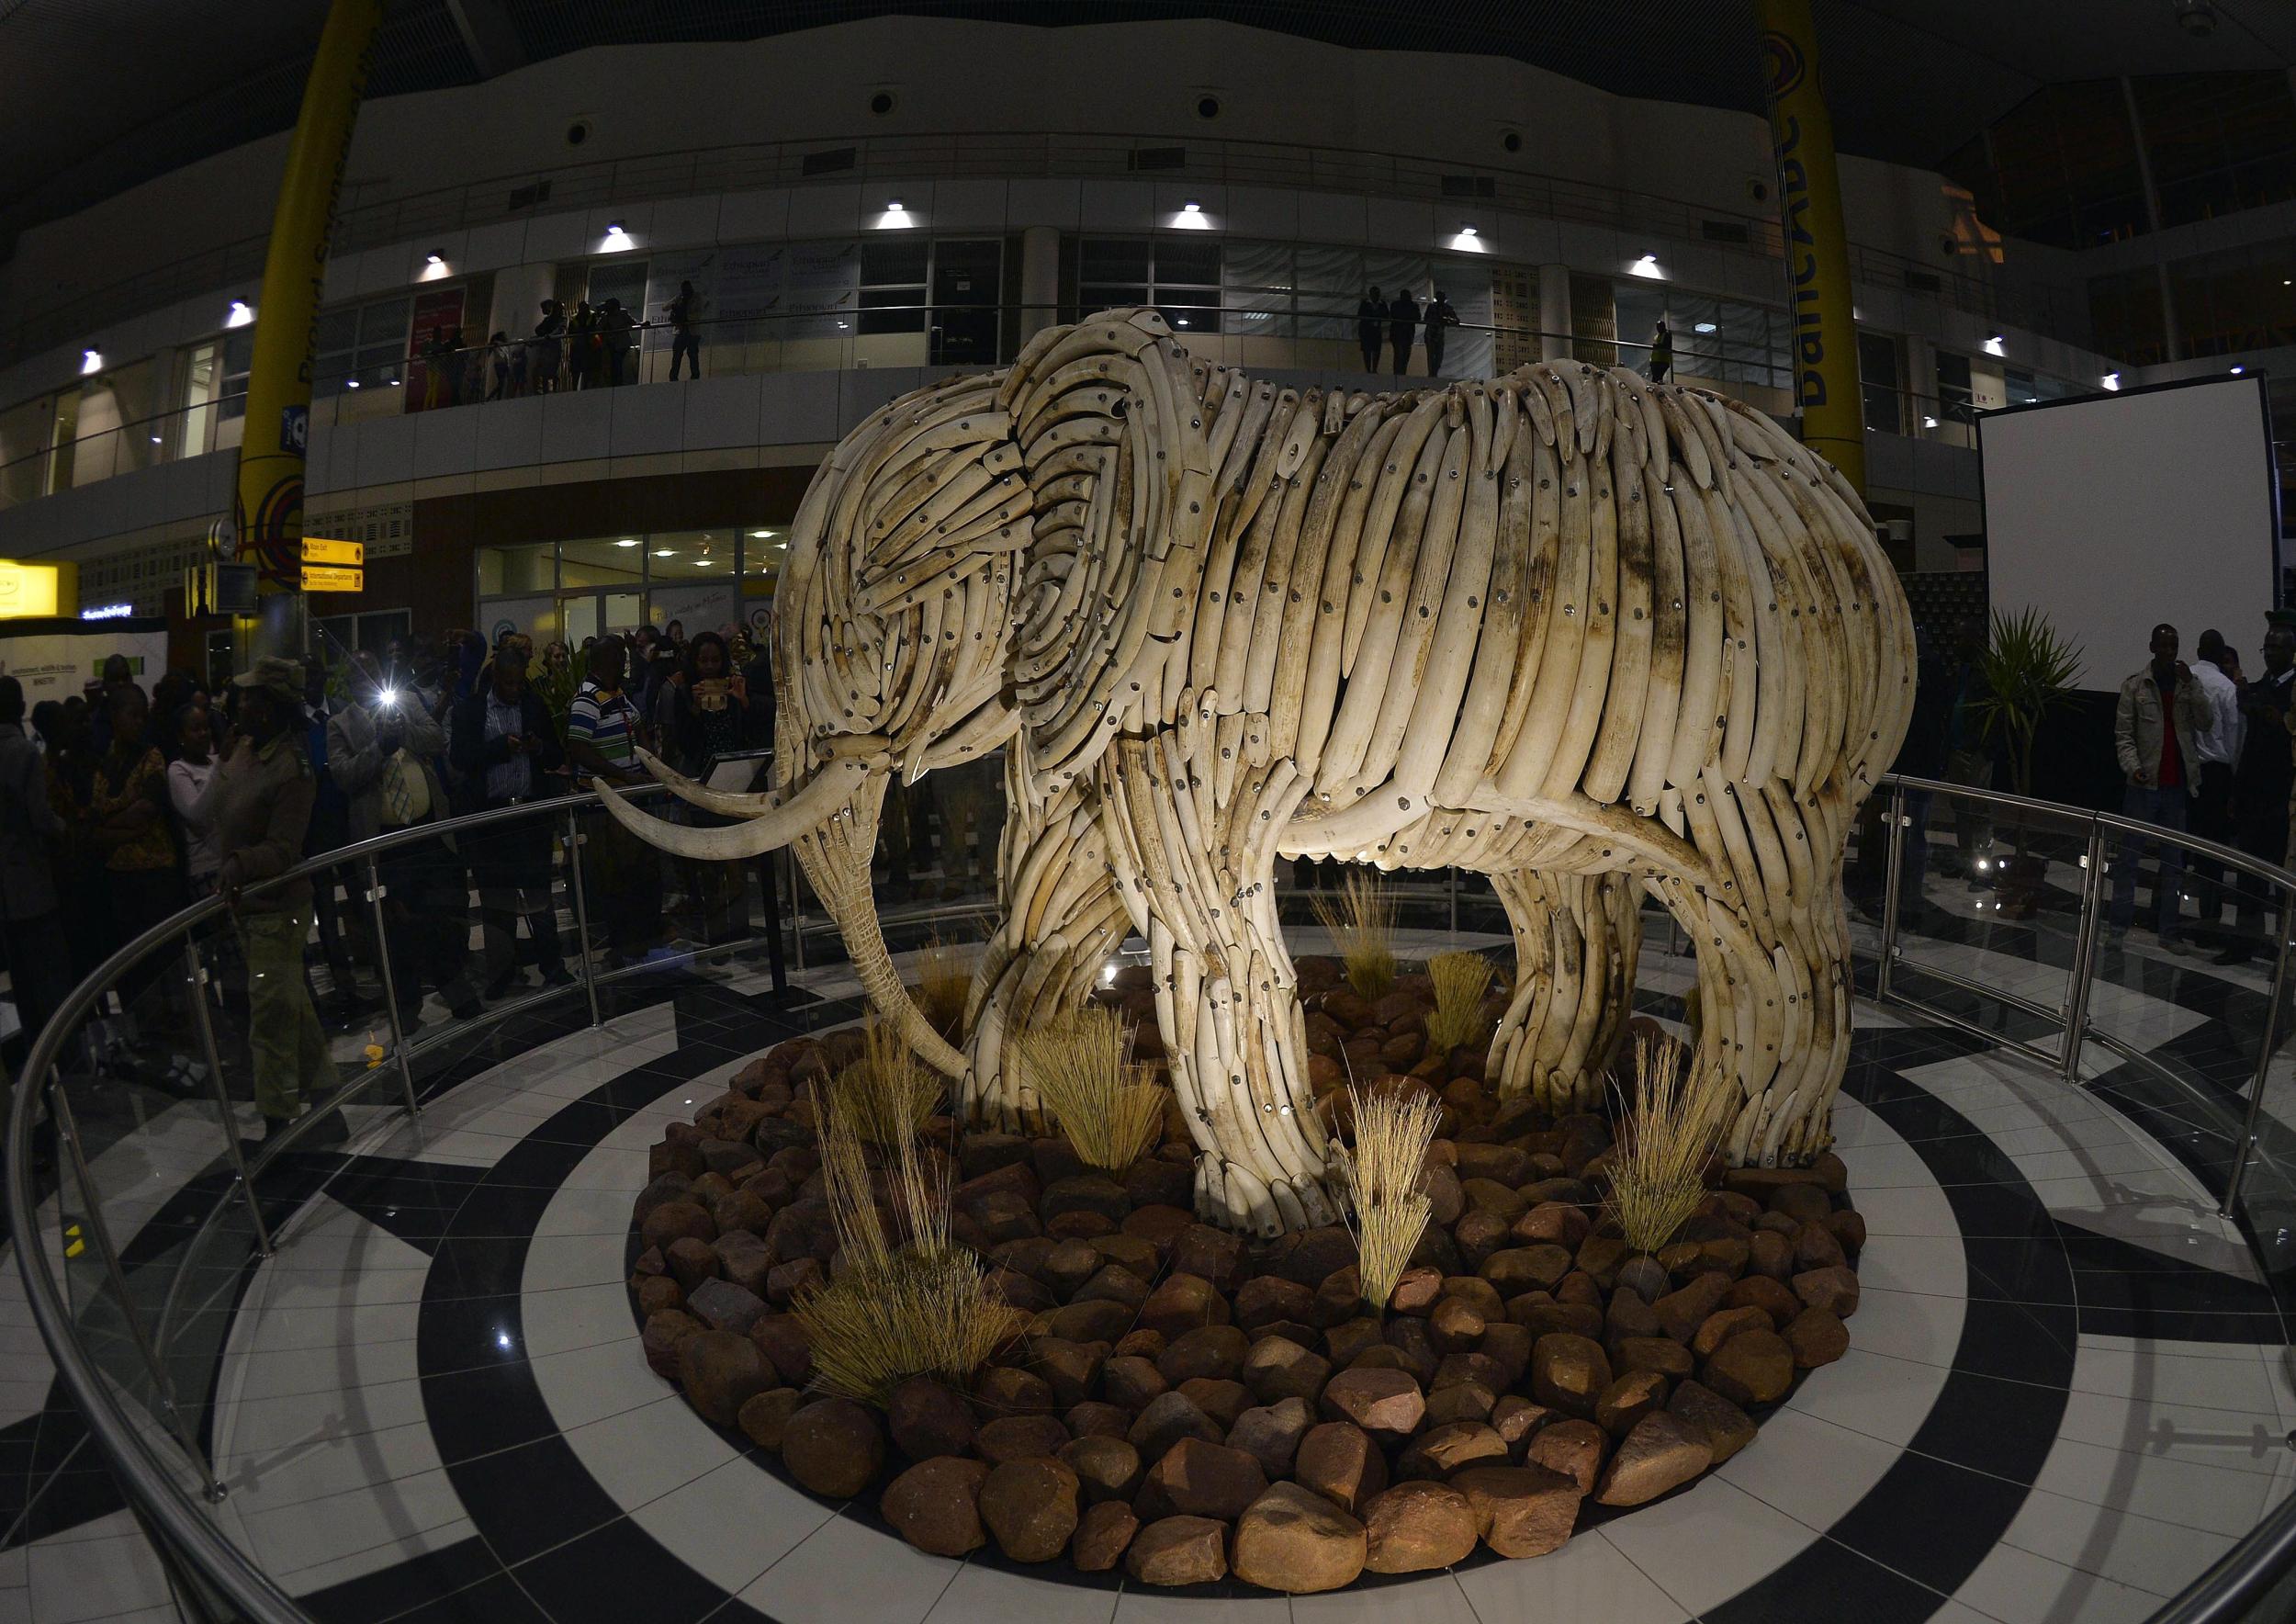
(966, 277)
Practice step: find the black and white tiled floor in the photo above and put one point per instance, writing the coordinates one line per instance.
(2065, 1395)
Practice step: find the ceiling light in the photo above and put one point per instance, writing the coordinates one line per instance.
(90, 363)
(1466, 230)
(2111, 380)
(1704, 327)
(665, 552)
(704, 563)
(351, 384)
(894, 206)
(155, 439)
(614, 229)
(241, 315)
(1928, 423)
(1649, 259)
(627, 541)
(1183, 321)
(761, 534)
(2239, 370)
(434, 258)
(617, 240)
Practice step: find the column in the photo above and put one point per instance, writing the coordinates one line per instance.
(267, 515)
(1554, 312)
(2172, 331)
(1816, 245)
(1040, 282)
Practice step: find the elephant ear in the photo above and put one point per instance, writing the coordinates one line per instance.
(1112, 442)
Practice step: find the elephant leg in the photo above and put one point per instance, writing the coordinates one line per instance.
(1061, 920)
(1577, 941)
(1195, 870)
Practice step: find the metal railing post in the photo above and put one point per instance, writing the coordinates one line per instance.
(391, 985)
(582, 912)
(205, 1019)
(2085, 935)
(2247, 1150)
(796, 912)
(162, 1389)
(1451, 885)
(1893, 842)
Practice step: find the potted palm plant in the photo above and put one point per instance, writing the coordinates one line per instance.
(2029, 671)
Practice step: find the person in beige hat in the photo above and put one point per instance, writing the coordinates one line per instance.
(263, 807)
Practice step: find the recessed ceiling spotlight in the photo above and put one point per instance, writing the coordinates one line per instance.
(627, 541)
(434, 258)
(90, 363)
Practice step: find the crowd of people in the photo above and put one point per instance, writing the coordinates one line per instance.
(590, 347)
(1402, 323)
(118, 807)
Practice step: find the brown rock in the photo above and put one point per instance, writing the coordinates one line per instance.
(1817, 1338)
(1223, 1400)
(927, 1419)
(1726, 1428)
(1661, 1452)
(1106, 1468)
(691, 1263)
(1199, 1479)
(1456, 1326)
(1343, 1343)
(765, 1415)
(1568, 1373)
(1030, 1508)
(1070, 1370)
(1266, 1298)
(1183, 1302)
(1339, 1299)
(722, 1371)
(1752, 1367)
(1131, 1382)
(1102, 1533)
(1834, 1289)
(1168, 1418)
(1094, 1420)
(1770, 1254)
(1271, 1434)
(1460, 1400)
(1574, 1448)
(1442, 1450)
(1417, 1291)
(1296, 1542)
(833, 1447)
(1815, 1247)
(1209, 1350)
(783, 1340)
(1339, 1461)
(658, 1293)
(1278, 1368)
(1805, 1202)
(1681, 1312)
(935, 1506)
(1388, 1405)
(1415, 1528)
(1178, 1550)
(1525, 1269)
(1520, 1510)
(1627, 1400)
(1662, 1355)
(1724, 1323)
(1515, 1418)
(1209, 1254)
(1773, 1297)
(1553, 1224)
(1003, 1391)
(672, 1221)
(1017, 1437)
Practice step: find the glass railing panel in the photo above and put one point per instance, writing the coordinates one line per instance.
(1987, 904)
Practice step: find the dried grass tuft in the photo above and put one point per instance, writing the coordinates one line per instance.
(944, 983)
(887, 1095)
(898, 1307)
(1393, 1128)
(1461, 981)
(1112, 1112)
(1362, 927)
(1679, 1114)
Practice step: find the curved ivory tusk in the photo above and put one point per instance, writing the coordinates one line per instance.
(829, 789)
(724, 803)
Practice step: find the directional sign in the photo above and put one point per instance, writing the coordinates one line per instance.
(319, 550)
(328, 578)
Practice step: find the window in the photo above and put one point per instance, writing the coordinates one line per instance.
(1878, 375)
(2219, 141)
(1188, 282)
(239, 360)
(359, 346)
(1956, 401)
(1112, 273)
(893, 277)
(2030, 389)
(529, 568)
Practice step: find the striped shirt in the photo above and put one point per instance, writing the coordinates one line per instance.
(608, 720)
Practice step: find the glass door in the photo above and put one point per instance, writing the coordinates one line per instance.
(966, 277)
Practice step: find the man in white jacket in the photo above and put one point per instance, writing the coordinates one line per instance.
(2161, 717)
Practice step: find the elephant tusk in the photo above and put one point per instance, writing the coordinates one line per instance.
(829, 789)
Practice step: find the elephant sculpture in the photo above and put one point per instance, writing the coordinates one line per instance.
(1592, 637)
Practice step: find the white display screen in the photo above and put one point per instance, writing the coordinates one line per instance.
(2116, 513)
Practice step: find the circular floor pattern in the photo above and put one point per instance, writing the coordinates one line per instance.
(433, 1406)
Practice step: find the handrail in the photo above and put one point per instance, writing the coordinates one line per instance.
(2218, 1596)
